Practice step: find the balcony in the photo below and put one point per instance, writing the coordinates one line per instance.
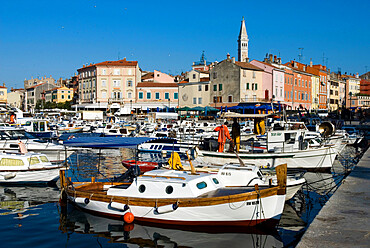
(115, 100)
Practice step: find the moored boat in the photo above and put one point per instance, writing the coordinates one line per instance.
(180, 198)
(29, 168)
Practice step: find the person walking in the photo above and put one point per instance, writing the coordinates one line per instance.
(223, 133)
(235, 133)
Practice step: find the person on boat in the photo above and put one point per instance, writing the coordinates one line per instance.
(223, 133)
(235, 133)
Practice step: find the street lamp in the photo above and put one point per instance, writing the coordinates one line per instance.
(130, 106)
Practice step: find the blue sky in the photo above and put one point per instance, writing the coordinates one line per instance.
(56, 38)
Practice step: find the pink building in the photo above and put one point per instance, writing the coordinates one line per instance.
(272, 80)
(156, 89)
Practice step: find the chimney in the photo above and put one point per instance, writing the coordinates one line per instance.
(270, 58)
(274, 58)
(295, 64)
(247, 60)
(233, 60)
(266, 60)
(279, 61)
(357, 75)
(228, 56)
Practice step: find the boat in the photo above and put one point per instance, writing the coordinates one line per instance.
(11, 137)
(29, 168)
(170, 197)
(143, 165)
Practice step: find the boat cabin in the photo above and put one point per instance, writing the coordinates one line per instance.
(168, 184)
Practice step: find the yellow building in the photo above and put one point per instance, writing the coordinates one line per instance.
(62, 94)
(3, 94)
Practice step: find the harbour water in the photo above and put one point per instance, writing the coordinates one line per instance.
(32, 216)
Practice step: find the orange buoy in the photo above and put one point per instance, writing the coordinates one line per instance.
(128, 227)
(128, 217)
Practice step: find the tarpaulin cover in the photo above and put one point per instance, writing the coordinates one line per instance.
(112, 142)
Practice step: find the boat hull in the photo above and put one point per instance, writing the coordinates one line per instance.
(304, 159)
(33, 176)
(241, 213)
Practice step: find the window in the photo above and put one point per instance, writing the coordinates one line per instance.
(11, 162)
(166, 95)
(255, 86)
(175, 95)
(157, 95)
(104, 94)
(299, 82)
(129, 71)
(201, 185)
(141, 95)
(220, 87)
(214, 75)
(169, 189)
(306, 83)
(199, 87)
(116, 83)
(230, 98)
(215, 99)
(62, 96)
(199, 100)
(148, 95)
(116, 71)
(194, 76)
(206, 87)
(142, 188)
(194, 100)
(129, 82)
(295, 82)
(295, 95)
(254, 74)
(244, 73)
(215, 87)
(129, 95)
(69, 96)
(104, 71)
(247, 86)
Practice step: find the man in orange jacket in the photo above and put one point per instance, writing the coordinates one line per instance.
(223, 133)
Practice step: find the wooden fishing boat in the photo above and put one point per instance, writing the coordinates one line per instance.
(172, 197)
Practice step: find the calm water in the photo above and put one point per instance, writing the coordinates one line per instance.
(32, 217)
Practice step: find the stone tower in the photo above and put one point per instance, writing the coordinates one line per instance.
(243, 43)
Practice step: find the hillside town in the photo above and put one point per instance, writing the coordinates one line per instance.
(123, 86)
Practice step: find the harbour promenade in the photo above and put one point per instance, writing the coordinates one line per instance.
(344, 220)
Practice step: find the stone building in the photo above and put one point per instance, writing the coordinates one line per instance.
(195, 89)
(16, 98)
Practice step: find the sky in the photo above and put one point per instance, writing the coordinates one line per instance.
(43, 38)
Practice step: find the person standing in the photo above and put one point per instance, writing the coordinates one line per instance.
(223, 133)
(235, 133)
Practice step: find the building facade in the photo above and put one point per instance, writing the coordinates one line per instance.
(108, 82)
(16, 98)
(195, 89)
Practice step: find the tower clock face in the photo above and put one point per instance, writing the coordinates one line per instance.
(185, 97)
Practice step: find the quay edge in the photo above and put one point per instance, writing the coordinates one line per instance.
(344, 220)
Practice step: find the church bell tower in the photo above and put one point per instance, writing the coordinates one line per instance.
(243, 43)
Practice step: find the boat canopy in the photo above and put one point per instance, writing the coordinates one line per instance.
(113, 142)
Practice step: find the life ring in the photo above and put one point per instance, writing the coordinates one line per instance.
(71, 137)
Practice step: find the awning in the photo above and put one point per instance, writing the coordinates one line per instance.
(112, 142)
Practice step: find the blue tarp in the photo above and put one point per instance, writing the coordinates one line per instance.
(112, 142)
(65, 136)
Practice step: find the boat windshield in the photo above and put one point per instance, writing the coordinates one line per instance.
(15, 134)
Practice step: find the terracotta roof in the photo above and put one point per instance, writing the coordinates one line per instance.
(37, 85)
(247, 65)
(148, 76)
(152, 84)
(202, 71)
(122, 62)
(184, 81)
(2, 87)
(266, 64)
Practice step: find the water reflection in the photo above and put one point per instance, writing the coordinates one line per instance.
(22, 202)
(149, 236)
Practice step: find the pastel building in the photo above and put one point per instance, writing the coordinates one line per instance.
(15, 98)
(3, 94)
(195, 89)
(108, 82)
(272, 79)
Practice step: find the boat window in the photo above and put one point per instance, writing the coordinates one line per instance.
(201, 185)
(169, 189)
(215, 180)
(44, 159)
(33, 160)
(11, 162)
(151, 147)
(142, 188)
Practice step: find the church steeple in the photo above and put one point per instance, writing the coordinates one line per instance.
(243, 43)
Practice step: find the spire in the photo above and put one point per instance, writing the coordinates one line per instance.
(243, 43)
(243, 30)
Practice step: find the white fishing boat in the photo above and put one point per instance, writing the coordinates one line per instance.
(180, 198)
(29, 168)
